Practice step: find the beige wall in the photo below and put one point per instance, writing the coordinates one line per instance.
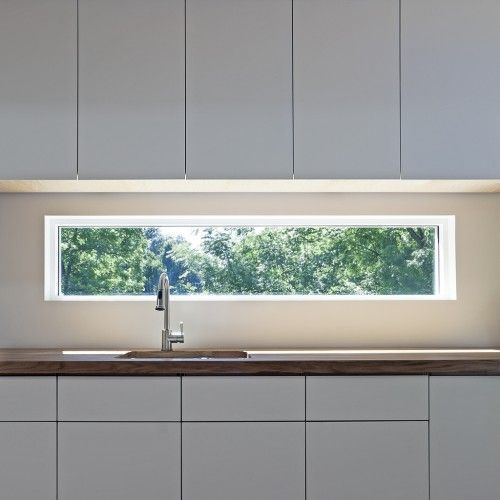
(471, 321)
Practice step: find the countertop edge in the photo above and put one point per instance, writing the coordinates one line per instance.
(112, 367)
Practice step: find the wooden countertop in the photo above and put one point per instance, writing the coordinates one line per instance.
(54, 362)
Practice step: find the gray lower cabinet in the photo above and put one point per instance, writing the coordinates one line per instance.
(25, 399)
(239, 89)
(133, 399)
(371, 397)
(237, 398)
(367, 461)
(28, 440)
(38, 88)
(131, 89)
(346, 89)
(28, 460)
(244, 461)
(465, 438)
(450, 103)
(119, 461)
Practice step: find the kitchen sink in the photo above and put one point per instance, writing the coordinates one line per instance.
(184, 354)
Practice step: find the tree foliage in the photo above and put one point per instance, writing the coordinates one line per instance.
(248, 260)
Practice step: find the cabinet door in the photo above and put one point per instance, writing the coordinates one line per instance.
(450, 81)
(38, 89)
(367, 461)
(131, 89)
(346, 88)
(119, 461)
(465, 438)
(28, 460)
(239, 89)
(244, 461)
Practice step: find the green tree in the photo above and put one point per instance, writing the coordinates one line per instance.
(102, 261)
(247, 260)
(177, 257)
(319, 261)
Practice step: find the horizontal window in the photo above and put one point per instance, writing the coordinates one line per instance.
(122, 257)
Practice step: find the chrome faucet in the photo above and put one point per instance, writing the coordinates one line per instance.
(168, 337)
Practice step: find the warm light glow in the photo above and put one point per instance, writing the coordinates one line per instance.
(376, 351)
(253, 186)
(96, 353)
(319, 352)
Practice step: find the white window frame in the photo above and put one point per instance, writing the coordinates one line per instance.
(445, 256)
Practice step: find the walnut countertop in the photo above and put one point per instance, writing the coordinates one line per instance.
(338, 362)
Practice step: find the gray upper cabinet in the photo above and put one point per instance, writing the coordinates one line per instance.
(239, 89)
(464, 438)
(131, 89)
(38, 89)
(346, 88)
(450, 89)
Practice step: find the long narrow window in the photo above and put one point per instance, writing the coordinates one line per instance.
(363, 257)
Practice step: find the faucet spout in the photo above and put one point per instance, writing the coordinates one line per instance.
(163, 292)
(163, 304)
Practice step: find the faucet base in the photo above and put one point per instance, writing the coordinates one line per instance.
(168, 338)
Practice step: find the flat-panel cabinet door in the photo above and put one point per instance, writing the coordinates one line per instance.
(465, 438)
(112, 399)
(239, 89)
(367, 461)
(237, 398)
(119, 461)
(38, 89)
(346, 89)
(243, 461)
(450, 111)
(28, 460)
(28, 399)
(131, 89)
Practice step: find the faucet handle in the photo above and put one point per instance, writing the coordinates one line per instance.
(181, 326)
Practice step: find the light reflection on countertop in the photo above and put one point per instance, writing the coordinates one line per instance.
(320, 353)
(93, 353)
(339, 354)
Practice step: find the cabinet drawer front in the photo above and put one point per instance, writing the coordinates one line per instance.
(27, 398)
(367, 398)
(243, 398)
(119, 398)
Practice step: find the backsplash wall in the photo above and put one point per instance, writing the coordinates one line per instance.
(26, 320)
